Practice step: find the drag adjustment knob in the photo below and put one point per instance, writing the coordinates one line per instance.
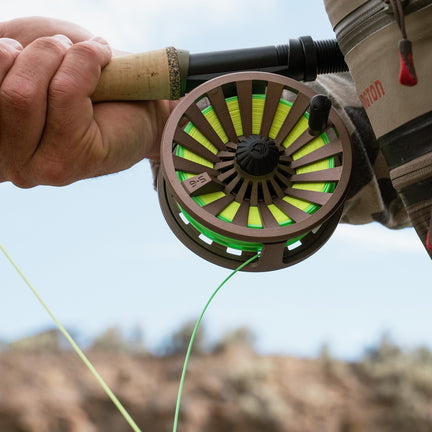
(319, 111)
(257, 155)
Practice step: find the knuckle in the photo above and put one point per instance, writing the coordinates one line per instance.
(40, 171)
(8, 53)
(55, 44)
(86, 49)
(20, 178)
(52, 172)
(61, 86)
(7, 57)
(19, 94)
(89, 55)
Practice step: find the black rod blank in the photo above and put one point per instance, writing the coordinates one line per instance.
(301, 59)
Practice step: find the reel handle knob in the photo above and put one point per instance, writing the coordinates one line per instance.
(319, 111)
(153, 75)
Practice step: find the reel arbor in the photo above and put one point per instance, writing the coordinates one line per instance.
(244, 172)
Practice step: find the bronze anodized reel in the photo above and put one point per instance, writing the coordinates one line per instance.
(243, 173)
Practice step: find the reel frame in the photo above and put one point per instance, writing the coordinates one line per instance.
(310, 231)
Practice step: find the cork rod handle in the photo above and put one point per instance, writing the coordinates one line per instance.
(153, 75)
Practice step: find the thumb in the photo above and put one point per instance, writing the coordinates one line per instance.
(26, 30)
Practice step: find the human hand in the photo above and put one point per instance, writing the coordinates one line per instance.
(50, 131)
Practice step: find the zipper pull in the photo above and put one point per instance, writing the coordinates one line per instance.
(407, 73)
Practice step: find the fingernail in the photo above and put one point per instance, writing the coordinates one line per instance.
(100, 40)
(64, 40)
(12, 43)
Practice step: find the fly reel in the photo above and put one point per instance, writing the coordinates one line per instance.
(244, 170)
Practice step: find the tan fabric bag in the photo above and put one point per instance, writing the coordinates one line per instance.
(368, 33)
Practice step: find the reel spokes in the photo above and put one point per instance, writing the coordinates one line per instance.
(243, 172)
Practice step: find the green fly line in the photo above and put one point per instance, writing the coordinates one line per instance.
(76, 348)
(254, 219)
(90, 366)
(194, 333)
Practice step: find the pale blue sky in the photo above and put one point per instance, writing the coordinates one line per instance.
(101, 254)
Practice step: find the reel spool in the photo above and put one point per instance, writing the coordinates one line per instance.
(243, 171)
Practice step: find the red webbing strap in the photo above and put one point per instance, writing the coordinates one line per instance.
(429, 235)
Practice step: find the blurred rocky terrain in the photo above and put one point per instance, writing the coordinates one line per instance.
(44, 387)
